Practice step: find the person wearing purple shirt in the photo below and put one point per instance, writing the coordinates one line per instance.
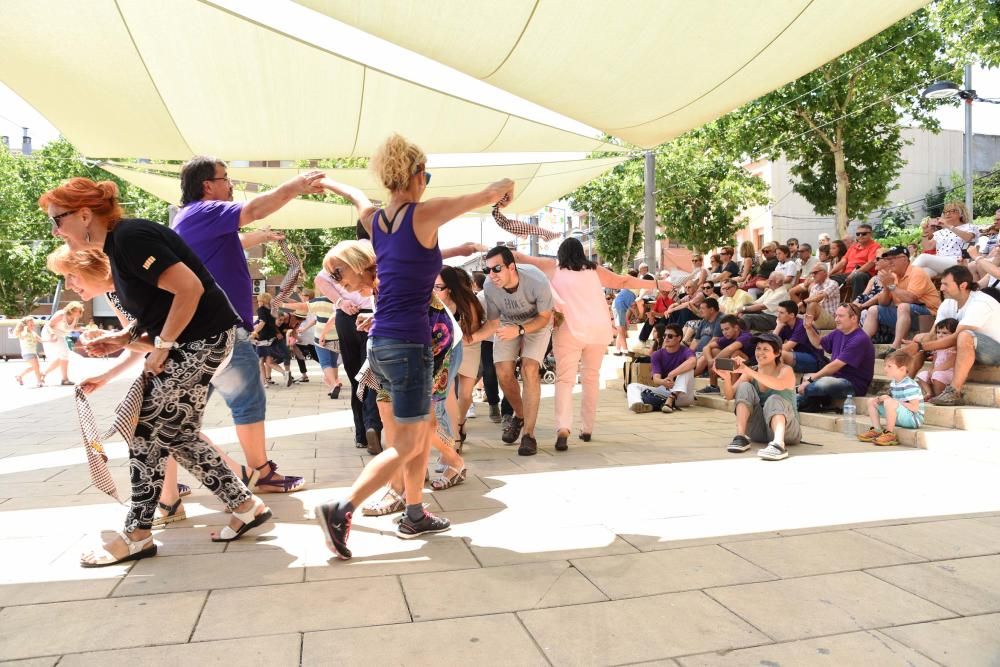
(672, 369)
(797, 350)
(735, 342)
(210, 223)
(852, 361)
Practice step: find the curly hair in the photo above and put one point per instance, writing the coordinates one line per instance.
(396, 161)
(77, 193)
(91, 264)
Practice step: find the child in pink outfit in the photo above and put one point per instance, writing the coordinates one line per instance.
(933, 381)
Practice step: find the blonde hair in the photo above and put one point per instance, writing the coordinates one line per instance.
(747, 250)
(359, 255)
(395, 162)
(264, 298)
(963, 212)
(91, 264)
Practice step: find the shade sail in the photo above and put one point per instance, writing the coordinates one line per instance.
(169, 79)
(537, 184)
(297, 214)
(643, 70)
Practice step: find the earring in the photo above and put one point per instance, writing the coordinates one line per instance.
(87, 237)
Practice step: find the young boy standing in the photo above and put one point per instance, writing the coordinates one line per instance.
(903, 406)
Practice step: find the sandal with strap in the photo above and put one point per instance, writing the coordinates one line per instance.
(174, 512)
(183, 490)
(390, 503)
(250, 520)
(286, 483)
(136, 551)
(462, 435)
(442, 483)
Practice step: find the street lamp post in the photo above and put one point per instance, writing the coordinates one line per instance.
(946, 89)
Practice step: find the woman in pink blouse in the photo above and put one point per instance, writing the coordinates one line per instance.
(584, 333)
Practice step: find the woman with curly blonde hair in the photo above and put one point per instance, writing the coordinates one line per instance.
(404, 235)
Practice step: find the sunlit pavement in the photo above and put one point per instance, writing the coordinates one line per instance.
(649, 543)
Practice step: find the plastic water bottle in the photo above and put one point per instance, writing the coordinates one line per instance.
(848, 424)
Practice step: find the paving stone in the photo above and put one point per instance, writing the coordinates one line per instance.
(538, 544)
(497, 590)
(638, 629)
(819, 553)
(31, 662)
(72, 627)
(965, 585)
(317, 605)
(640, 574)
(247, 652)
(962, 642)
(939, 540)
(484, 641)
(209, 571)
(391, 555)
(825, 604)
(856, 648)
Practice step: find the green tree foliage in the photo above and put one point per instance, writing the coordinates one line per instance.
(970, 29)
(840, 125)
(700, 191)
(25, 232)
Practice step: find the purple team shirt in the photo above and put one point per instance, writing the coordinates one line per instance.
(663, 362)
(797, 334)
(212, 229)
(857, 352)
(744, 339)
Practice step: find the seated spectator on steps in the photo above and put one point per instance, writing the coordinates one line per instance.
(787, 264)
(852, 361)
(976, 339)
(908, 293)
(767, 265)
(857, 266)
(824, 295)
(673, 374)
(765, 401)
(733, 298)
(657, 312)
(734, 343)
(946, 236)
(805, 262)
(797, 350)
(701, 333)
(761, 315)
(933, 381)
(730, 269)
(903, 406)
(689, 307)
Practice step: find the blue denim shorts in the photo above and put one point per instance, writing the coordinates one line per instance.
(887, 315)
(326, 358)
(987, 350)
(239, 382)
(405, 371)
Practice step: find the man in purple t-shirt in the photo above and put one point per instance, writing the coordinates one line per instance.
(797, 350)
(210, 222)
(673, 373)
(852, 361)
(735, 341)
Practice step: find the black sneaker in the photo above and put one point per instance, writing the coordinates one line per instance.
(336, 532)
(512, 430)
(289, 380)
(740, 444)
(529, 446)
(408, 529)
(495, 413)
(709, 389)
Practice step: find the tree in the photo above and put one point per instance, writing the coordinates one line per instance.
(969, 29)
(700, 190)
(840, 125)
(25, 231)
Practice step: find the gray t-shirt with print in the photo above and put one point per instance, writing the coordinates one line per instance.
(532, 296)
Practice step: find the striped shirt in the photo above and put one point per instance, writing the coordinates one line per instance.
(322, 309)
(831, 295)
(908, 390)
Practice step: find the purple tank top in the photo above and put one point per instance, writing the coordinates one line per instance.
(406, 273)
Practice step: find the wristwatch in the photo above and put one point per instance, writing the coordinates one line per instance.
(891, 288)
(520, 330)
(161, 344)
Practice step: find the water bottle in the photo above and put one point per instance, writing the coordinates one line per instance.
(848, 424)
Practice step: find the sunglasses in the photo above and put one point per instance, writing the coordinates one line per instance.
(495, 269)
(440, 288)
(56, 220)
(670, 336)
(337, 275)
(862, 233)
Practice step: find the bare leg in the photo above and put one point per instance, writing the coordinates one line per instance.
(510, 387)
(778, 426)
(465, 387)
(890, 413)
(532, 393)
(871, 321)
(965, 358)
(873, 414)
(937, 387)
(904, 320)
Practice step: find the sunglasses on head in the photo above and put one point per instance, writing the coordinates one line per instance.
(495, 269)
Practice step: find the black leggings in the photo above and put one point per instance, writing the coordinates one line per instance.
(353, 350)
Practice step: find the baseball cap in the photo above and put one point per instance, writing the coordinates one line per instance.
(768, 337)
(896, 250)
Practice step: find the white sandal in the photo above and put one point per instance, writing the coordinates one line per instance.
(390, 503)
(136, 551)
(250, 520)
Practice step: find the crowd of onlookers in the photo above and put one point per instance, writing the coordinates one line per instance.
(818, 314)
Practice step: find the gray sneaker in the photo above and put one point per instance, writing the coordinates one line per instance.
(773, 452)
(949, 396)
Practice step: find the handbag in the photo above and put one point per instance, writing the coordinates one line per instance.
(650, 397)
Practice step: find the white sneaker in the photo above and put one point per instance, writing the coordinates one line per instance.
(471, 414)
(773, 452)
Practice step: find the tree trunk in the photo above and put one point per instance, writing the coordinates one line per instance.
(843, 185)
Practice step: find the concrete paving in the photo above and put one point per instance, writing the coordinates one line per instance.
(650, 544)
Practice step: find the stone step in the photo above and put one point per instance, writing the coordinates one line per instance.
(962, 418)
(976, 393)
(980, 374)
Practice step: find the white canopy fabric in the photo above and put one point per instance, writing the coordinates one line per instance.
(537, 184)
(170, 79)
(643, 70)
(296, 214)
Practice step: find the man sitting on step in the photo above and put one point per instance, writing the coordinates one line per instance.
(673, 373)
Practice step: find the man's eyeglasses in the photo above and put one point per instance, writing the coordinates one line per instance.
(495, 269)
(220, 178)
(336, 275)
(56, 220)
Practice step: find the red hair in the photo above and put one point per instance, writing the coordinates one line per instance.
(76, 193)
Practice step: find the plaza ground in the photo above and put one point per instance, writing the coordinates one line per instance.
(648, 544)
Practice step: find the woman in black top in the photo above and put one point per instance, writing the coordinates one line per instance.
(264, 335)
(188, 326)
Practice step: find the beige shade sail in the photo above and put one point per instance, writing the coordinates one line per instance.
(296, 214)
(643, 70)
(536, 184)
(169, 79)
